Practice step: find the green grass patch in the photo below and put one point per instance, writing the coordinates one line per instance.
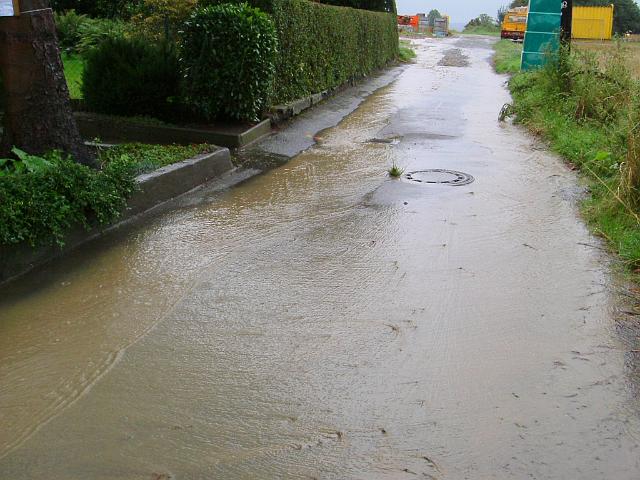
(73, 70)
(482, 30)
(507, 56)
(405, 52)
(146, 158)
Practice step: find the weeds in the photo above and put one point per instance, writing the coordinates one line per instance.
(395, 171)
(405, 53)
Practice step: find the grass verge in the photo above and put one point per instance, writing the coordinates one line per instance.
(586, 108)
(405, 53)
(493, 31)
(146, 158)
(507, 56)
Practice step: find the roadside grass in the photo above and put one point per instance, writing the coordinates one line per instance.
(73, 69)
(147, 158)
(507, 56)
(405, 53)
(480, 30)
(586, 108)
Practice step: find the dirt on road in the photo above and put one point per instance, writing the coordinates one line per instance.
(326, 321)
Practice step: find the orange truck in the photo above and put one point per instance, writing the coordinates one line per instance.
(515, 23)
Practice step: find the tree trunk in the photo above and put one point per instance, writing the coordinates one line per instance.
(38, 115)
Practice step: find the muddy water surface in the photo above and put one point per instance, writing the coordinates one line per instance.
(325, 321)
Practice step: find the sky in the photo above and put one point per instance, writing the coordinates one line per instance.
(460, 11)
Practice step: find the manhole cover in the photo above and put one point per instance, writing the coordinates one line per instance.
(437, 175)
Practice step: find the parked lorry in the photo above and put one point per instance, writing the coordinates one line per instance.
(515, 23)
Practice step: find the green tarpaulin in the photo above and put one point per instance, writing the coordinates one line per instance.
(543, 32)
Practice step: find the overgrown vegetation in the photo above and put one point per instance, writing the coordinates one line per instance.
(588, 111)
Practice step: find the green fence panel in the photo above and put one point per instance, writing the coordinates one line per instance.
(543, 32)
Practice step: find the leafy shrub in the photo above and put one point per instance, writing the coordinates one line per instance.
(68, 25)
(229, 54)
(131, 77)
(162, 18)
(97, 8)
(94, 31)
(41, 201)
(80, 33)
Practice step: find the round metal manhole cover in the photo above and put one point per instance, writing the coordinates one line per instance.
(439, 176)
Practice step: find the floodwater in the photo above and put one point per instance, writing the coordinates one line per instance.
(326, 321)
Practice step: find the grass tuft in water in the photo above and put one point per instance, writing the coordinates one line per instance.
(395, 171)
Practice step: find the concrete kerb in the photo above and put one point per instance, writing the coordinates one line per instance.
(156, 188)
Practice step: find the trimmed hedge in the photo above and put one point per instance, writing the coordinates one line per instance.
(228, 58)
(131, 77)
(322, 46)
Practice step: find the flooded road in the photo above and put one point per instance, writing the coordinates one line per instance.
(326, 321)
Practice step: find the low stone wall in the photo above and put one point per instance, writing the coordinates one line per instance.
(156, 188)
(122, 130)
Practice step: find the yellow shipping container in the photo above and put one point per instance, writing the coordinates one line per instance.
(592, 23)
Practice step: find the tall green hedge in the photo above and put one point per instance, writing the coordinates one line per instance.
(322, 46)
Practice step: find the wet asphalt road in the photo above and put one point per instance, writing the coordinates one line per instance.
(325, 321)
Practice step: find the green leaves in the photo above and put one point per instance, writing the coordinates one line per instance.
(229, 56)
(43, 199)
(24, 163)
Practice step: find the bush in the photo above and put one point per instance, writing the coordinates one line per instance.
(131, 77)
(229, 54)
(97, 8)
(96, 30)
(68, 26)
(162, 18)
(80, 33)
(39, 205)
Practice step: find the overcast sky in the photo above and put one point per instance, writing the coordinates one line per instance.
(460, 11)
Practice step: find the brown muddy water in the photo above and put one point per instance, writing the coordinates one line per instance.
(325, 321)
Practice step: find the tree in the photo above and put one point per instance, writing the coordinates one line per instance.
(38, 116)
(432, 16)
(502, 12)
(626, 13)
(519, 3)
